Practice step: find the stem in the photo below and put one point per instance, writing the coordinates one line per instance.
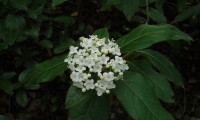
(127, 54)
(147, 10)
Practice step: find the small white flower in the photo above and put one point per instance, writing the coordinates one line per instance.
(103, 59)
(78, 84)
(119, 60)
(108, 76)
(89, 84)
(73, 49)
(75, 76)
(97, 68)
(96, 64)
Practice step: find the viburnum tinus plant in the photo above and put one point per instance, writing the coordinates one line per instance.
(126, 68)
(96, 64)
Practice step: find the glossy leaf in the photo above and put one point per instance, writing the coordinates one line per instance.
(46, 44)
(43, 72)
(14, 22)
(195, 10)
(20, 4)
(65, 19)
(64, 46)
(57, 2)
(86, 106)
(21, 98)
(145, 35)
(139, 99)
(157, 81)
(165, 66)
(74, 97)
(143, 3)
(108, 3)
(159, 5)
(157, 16)
(102, 33)
(129, 7)
(6, 86)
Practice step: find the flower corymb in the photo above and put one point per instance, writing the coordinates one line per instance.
(96, 64)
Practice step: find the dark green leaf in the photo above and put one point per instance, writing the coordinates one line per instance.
(139, 99)
(57, 2)
(6, 86)
(65, 19)
(3, 46)
(43, 72)
(74, 97)
(129, 7)
(8, 75)
(20, 4)
(192, 11)
(143, 3)
(14, 22)
(102, 33)
(108, 3)
(64, 46)
(33, 32)
(46, 44)
(165, 66)
(157, 16)
(10, 37)
(21, 98)
(159, 5)
(88, 106)
(145, 35)
(157, 81)
(181, 5)
(34, 13)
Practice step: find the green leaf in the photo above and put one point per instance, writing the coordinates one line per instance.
(157, 16)
(46, 43)
(159, 5)
(64, 45)
(57, 2)
(20, 4)
(181, 5)
(10, 37)
(6, 86)
(157, 81)
(191, 11)
(108, 3)
(8, 75)
(43, 72)
(74, 97)
(102, 33)
(65, 19)
(129, 7)
(87, 106)
(139, 99)
(34, 13)
(21, 98)
(165, 66)
(14, 22)
(143, 3)
(145, 35)
(33, 31)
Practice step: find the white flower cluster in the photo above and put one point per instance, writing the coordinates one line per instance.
(96, 64)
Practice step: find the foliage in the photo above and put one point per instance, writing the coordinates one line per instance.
(35, 36)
